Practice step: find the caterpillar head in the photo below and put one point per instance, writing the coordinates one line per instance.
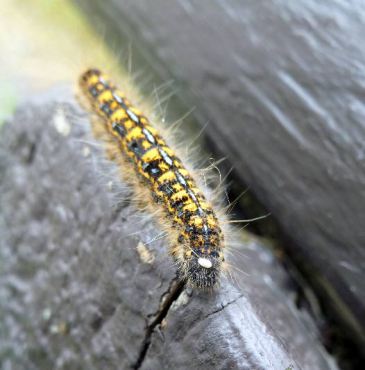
(202, 270)
(201, 257)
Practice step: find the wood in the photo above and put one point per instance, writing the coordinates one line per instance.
(281, 84)
(77, 292)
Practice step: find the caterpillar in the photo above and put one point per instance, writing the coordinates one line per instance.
(198, 242)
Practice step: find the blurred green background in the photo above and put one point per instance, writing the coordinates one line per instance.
(41, 42)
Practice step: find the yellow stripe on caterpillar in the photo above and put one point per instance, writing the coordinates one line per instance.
(154, 165)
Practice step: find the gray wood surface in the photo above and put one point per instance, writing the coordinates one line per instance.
(281, 84)
(77, 293)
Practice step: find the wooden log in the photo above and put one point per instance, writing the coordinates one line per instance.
(282, 85)
(80, 287)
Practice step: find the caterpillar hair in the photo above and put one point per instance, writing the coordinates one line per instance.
(152, 167)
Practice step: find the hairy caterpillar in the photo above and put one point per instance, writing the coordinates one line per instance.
(199, 241)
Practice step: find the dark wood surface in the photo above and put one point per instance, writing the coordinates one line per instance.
(77, 293)
(281, 84)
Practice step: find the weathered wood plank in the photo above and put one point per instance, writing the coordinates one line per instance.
(75, 293)
(282, 86)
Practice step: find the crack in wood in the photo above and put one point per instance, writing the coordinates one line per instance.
(223, 306)
(175, 289)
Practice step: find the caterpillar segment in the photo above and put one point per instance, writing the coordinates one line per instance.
(198, 250)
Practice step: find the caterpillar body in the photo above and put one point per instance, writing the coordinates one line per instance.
(199, 244)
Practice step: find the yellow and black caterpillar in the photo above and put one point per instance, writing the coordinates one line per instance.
(197, 240)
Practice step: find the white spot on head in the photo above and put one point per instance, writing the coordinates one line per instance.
(204, 262)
